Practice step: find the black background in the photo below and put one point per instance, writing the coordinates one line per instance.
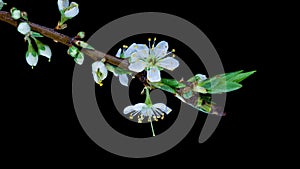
(40, 121)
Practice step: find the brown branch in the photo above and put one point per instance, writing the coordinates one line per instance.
(66, 40)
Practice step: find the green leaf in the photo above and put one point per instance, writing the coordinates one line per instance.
(224, 86)
(199, 89)
(163, 86)
(81, 35)
(240, 77)
(83, 44)
(172, 83)
(73, 51)
(116, 69)
(188, 94)
(36, 34)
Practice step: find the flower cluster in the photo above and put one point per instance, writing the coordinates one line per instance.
(141, 57)
(32, 56)
(67, 11)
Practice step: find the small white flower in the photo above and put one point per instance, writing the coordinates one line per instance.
(2, 4)
(153, 59)
(46, 51)
(143, 110)
(123, 78)
(24, 28)
(99, 72)
(69, 10)
(32, 58)
(201, 77)
(16, 14)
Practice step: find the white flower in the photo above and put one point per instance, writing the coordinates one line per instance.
(143, 110)
(24, 28)
(15, 13)
(153, 59)
(99, 72)
(2, 4)
(69, 10)
(201, 77)
(122, 77)
(46, 51)
(32, 58)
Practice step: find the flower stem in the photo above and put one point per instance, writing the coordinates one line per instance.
(152, 129)
(148, 101)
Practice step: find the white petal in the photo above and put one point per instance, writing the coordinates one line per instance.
(153, 74)
(142, 50)
(161, 49)
(72, 12)
(123, 79)
(162, 107)
(129, 50)
(137, 66)
(46, 52)
(140, 106)
(119, 53)
(96, 79)
(99, 65)
(115, 74)
(79, 60)
(96, 65)
(62, 4)
(168, 63)
(24, 28)
(32, 60)
(128, 109)
(201, 76)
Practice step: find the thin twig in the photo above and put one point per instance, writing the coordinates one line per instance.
(66, 40)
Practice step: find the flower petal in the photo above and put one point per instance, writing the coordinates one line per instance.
(72, 11)
(162, 107)
(129, 50)
(24, 28)
(119, 53)
(137, 66)
(46, 52)
(128, 109)
(153, 74)
(201, 77)
(168, 63)
(123, 79)
(62, 4)
(79, 58)
(99, 71)
(161, 49)
(31, 59)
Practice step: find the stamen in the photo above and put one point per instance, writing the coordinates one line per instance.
(49, 60)
(154, 118)
(131, 116)
(173, 50)
(100, 83)
(125, 46)
(149, 40)
(153, 42)
(163, 116)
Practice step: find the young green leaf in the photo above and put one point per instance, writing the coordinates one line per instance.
(172, 83)
(163, 86)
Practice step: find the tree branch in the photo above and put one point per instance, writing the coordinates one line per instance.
(66, 40)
